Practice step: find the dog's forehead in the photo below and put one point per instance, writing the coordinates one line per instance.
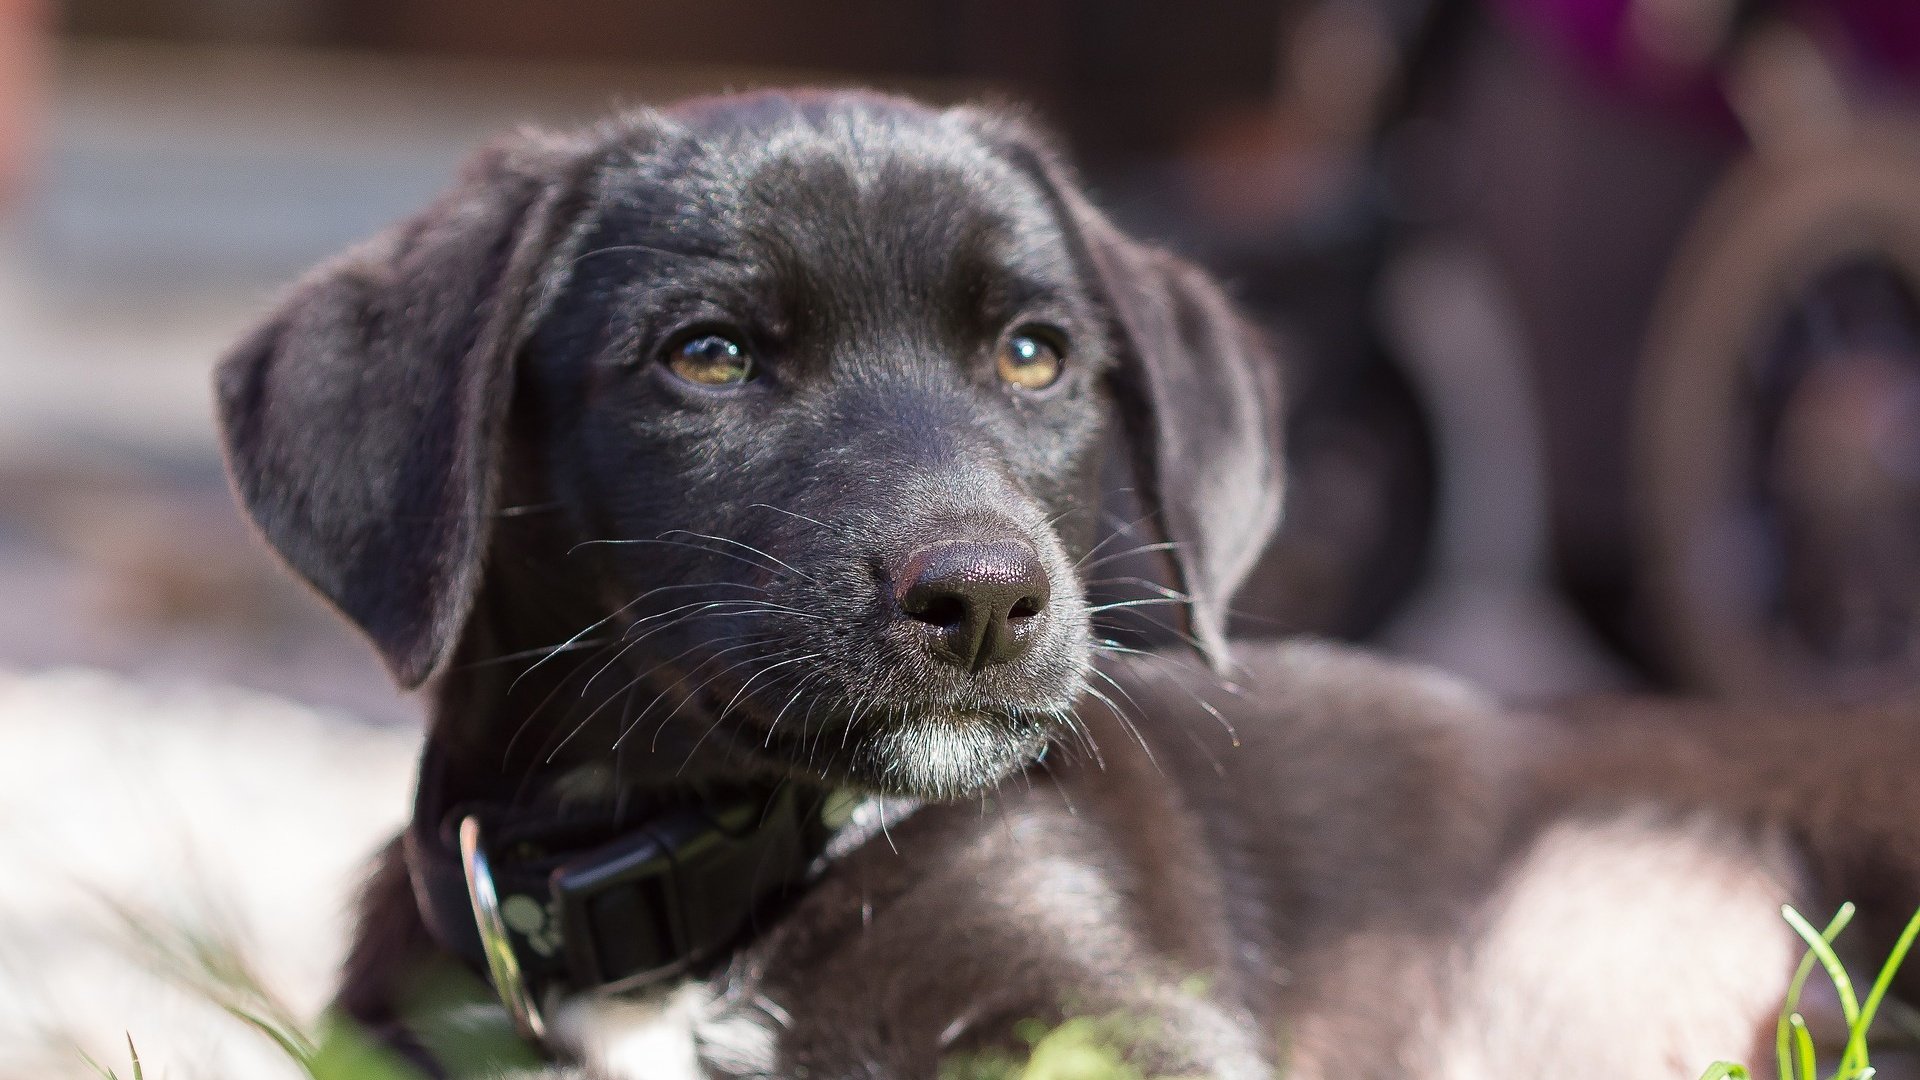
(802, 181)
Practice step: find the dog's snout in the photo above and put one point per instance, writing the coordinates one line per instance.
(975, 600)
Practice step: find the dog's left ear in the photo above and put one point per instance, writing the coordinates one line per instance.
(362, 419)
(1198, 388)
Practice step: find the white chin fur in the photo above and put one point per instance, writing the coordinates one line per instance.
(949, 756)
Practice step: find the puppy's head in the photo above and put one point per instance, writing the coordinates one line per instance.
(804, 401)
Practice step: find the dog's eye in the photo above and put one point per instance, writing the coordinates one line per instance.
(1029, 361)
(711, 360)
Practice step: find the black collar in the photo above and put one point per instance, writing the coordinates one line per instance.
(546, 904)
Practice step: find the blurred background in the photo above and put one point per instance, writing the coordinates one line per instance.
(1603, 356)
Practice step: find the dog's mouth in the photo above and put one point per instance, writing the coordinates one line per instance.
(941, 756)
(926, 750)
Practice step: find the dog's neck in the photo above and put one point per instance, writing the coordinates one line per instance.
(527, 779)
(531, 716)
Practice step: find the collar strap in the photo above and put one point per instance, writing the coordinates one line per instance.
(554, 905)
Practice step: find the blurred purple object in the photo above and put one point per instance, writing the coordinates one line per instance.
(1884, 33)
(1673, 67)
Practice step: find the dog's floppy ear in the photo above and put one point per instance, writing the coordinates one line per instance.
(361, 420)
(1199, 393)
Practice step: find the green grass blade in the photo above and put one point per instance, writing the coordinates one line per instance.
(1782, 1032)
(290, 1041)
(1857, 1037)
(1822, 947)
(1783, 1036)
(1726, 1070)
(108, 1074)
(1809, 1067)
(1842, 985)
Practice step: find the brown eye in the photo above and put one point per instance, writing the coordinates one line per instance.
(1029, 362)
(711, 360)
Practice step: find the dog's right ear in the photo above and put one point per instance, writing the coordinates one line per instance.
(361, 421)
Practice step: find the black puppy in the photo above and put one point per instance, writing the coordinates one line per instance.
(733, 476)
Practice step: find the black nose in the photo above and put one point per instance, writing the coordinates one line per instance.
(976, 600)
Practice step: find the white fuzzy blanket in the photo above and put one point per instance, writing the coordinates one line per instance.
(189, 810)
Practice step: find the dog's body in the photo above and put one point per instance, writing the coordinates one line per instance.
(761, 442)
(1384, 875)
